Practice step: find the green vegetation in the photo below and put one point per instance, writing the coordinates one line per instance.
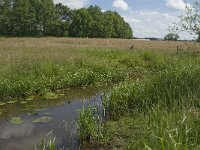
(16, 120)
(88, 123)
(43, 119)
(171, 37)
(43, 18)
(190, 20)
(156, 111)
(49, 146)
(153, 104)
(36, 75)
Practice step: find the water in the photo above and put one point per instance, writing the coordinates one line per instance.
(63, 126)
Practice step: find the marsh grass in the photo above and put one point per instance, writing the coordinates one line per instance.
(50, 145)
(39, 71)
(88, 124)
(177, 86)
(157, 129)
(159, 111)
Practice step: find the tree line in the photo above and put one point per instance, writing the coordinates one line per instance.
(44, 18)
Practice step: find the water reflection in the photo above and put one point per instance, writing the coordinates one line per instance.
(63, 125)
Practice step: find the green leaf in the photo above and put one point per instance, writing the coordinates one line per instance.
(50, 96)
(16, 120)
(2, 103)
(12, 102)
(43, 119)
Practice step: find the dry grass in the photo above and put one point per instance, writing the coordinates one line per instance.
(7, 43)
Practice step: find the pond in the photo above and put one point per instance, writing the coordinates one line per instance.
(22, 126)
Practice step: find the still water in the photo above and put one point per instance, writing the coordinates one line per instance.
(63, 126)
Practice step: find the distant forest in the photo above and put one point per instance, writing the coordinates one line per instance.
(44, 18)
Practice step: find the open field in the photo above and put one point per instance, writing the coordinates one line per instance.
(154, 100)
(36, 66)
(123, 44)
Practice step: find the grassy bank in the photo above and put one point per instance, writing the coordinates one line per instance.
(35, 71)
(159, 111)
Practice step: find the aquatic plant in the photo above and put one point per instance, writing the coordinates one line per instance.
(16, 120)
(50, 96)
(51, 145)
(87, 123)
(43, 119)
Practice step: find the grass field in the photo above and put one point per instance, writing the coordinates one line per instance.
(74, 43)
(154, 102)
(35, 66)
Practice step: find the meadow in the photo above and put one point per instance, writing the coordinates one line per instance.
(31, 66)
(154, 99)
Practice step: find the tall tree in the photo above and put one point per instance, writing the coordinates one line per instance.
(108, 24)
(43, 18)
(190, 21)
(81, 24)
(5, 17)
(65, 16)
(115, 26)
(48, 18)
(23, 18)
(97, 23)
(171, 37)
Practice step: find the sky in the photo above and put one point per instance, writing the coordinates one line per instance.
(147, 18)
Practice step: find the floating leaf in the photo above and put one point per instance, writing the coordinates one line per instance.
(30, 98)
(16, 120)
(12, 102)
(43, 119)
(23, 102)
(2, 103)
(50, 96)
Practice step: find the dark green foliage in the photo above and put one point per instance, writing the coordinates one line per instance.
(43, 18)
(171, 37)
(81, 24)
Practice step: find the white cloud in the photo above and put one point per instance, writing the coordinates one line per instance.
(131, 19)
(176, 4)
(120, 4)
(73, 3)
(152, 23)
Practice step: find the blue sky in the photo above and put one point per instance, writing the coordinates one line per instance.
(148, 18)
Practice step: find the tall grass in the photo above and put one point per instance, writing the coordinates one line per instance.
(89, 124)
(156, 129)
(177, 86)
(162, 110)
(50, 145)
(36, 75)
